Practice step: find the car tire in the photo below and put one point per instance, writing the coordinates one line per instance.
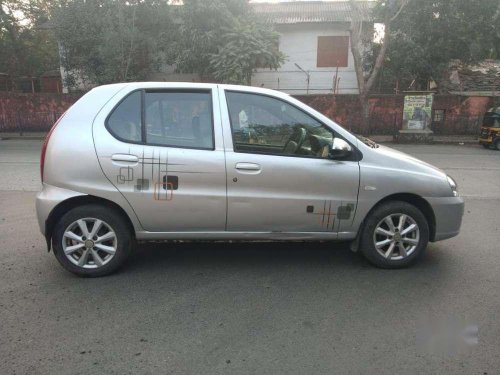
(376, 241)
(485, 145)
(99, 255)
(497, 144)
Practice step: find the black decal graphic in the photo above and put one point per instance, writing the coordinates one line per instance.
(142, 184)
(326, 217)
(126, 174)
(172, 180)
(157, 179)
(344, 212)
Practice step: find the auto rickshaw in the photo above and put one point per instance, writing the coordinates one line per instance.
(490, 129)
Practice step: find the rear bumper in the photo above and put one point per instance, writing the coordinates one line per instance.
(448, 212)
(47, 199)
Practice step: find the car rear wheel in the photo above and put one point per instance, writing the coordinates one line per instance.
(485, 145)
(91, 240)
(395, 235)
(497, 145)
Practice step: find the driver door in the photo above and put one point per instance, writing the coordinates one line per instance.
(279, 177)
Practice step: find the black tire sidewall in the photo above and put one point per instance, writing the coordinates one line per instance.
(113, 219)
(368, 247)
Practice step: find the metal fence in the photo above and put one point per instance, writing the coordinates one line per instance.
(379, 123)
(21, 122)
(458, 124)
(391, 123)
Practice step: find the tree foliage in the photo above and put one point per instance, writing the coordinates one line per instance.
(105, 41)
(27, 49)
(369, 62)
(222, 40)
(428, 34)
(244, 48)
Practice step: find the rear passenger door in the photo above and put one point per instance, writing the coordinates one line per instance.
(162, 149)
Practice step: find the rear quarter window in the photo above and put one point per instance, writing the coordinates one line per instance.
(125, 120)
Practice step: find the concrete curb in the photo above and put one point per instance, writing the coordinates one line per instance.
(437, 140)
(452, 142)
(21, 138)
(17, 136)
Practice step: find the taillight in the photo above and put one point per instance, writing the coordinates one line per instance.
(44, 146)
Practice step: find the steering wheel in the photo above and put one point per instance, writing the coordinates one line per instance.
(298, 137)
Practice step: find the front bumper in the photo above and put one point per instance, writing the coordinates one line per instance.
(448, 212)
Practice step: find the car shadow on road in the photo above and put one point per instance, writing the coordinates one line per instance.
(151, 257)
(290, 269)
(210, 272)
(241, 254)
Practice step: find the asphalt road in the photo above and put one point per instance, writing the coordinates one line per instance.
(253, 308)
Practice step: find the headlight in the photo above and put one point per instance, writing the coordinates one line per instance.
(453, 185)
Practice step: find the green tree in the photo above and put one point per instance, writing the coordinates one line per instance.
(430, 33)
(246, 46)
(222, 40)
(105, 41)
(26, 48)
(369, 64)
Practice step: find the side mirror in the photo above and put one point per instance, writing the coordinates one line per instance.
(339, 149)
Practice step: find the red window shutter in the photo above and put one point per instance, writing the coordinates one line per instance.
(333, 51)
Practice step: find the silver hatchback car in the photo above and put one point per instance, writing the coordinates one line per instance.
(184, 161)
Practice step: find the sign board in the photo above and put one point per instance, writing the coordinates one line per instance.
(415, 125)
(417, 112)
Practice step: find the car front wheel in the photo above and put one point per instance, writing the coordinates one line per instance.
(395, 235)
(91, 240)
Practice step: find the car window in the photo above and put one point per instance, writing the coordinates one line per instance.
(179, 119)
(262, 124)
(125, 120)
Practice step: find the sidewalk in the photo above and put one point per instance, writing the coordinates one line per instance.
(438, 139)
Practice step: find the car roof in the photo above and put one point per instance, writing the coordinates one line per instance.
(196, 85)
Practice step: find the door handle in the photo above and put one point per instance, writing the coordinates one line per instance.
(247, 167)
(127, 158)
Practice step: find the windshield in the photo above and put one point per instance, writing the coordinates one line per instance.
(491, 120)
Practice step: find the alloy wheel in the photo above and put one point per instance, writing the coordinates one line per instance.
(89, 243)
(396, 236)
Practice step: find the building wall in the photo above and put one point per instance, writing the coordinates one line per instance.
(299, 43)
(32, 112)
(462, 115)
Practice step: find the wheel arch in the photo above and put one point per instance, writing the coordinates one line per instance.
(413, 199)
(77, 201)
